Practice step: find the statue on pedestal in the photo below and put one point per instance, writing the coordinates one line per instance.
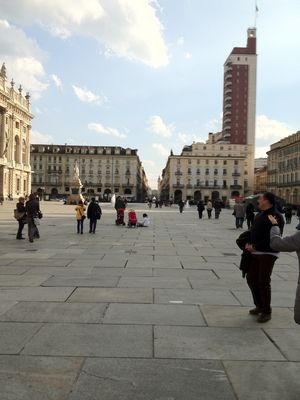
(76, 186)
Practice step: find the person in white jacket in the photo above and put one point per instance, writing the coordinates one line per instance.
(288, 243)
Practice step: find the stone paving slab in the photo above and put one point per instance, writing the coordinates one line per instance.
(287, 340)
(233, 316)
(36, 293)
(11, 270)
(253, 380)
(37, 378)
(213, 343)
(204, 275)
(153, 282)
(23, 280)
(194, 296)
(5, 305)
(81, 282)
(130, 379)
(55, 312)
(279, 298)
(112, 295)
(155, 314)
(14, 336)
(92, 340)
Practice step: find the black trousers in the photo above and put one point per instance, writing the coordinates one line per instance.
(200, 214)
(20, 229)
(250, 220)
(259, 280)
(80, 226)
(93, 224)
(209, 213)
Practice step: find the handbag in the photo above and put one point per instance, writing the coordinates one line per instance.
(98, 215)
(18, 215)
(83, 217)
(40, 215)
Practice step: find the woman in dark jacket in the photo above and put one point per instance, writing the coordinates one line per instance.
(22, 217)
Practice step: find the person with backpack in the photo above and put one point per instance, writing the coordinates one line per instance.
(94, 213)
(80, 216)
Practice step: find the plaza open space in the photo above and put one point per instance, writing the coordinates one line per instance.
(154, 313)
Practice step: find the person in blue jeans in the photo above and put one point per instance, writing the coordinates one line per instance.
(80, 216)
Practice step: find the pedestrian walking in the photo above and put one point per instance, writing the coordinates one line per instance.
(20, 215)
(239, 213)
(288, 212)
(250, 214)
(289, 243)
(200, 208)
(80, 216)
(209, 208)
(263, 257)
(33, 213)
(181, 206)
(218, 208)
(94, 213)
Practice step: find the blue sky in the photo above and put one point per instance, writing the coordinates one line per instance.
(147, 74)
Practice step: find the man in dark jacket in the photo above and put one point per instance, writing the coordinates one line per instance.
(94, 213)
(263, 257)
(200, 208)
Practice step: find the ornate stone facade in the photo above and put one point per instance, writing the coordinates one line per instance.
(284, 168)
(15, 125)
(208, 171)
(103, 171)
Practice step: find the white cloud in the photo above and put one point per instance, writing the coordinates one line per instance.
(128, 28)
(157, 126)
(269, 131)
(188, 138)
(180, 41)
(215, 124)
(37, 137)
(106, 130)
(23, 59)
(188, 55)
(161, 149)
(87, 96)
(57, 81)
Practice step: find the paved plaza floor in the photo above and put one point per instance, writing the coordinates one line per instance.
(158, 313)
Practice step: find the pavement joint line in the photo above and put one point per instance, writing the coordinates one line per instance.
(66, 300)
(237, 299)
(202, 314)
(80, 370)
(274, 343)
(229, 380)
(214, 272)
(31, 337)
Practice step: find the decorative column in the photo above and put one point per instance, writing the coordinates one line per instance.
(2, 133)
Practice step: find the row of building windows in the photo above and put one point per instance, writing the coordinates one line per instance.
(207, 162)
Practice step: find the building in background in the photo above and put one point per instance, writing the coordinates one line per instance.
(104, 171)
(260, 178)
(260, 163)
(283, 176)
(15, 126)
(206, 171)
(239, 100)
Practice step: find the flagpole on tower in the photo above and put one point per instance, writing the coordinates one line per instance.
(256, 14)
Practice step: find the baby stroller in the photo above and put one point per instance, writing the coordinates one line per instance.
(120, 217)
(132, 219)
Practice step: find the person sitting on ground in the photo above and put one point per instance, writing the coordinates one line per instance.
(145, 223)
(132, 218)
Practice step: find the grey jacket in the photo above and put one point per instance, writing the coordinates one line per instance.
(289, 243)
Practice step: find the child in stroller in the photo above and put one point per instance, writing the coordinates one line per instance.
(132, 219)
(120, 217)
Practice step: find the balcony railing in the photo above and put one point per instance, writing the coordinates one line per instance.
(178, 186)
(189, 186)
(235, 186)
(178, 173)
(236, 174)
(130, 185)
